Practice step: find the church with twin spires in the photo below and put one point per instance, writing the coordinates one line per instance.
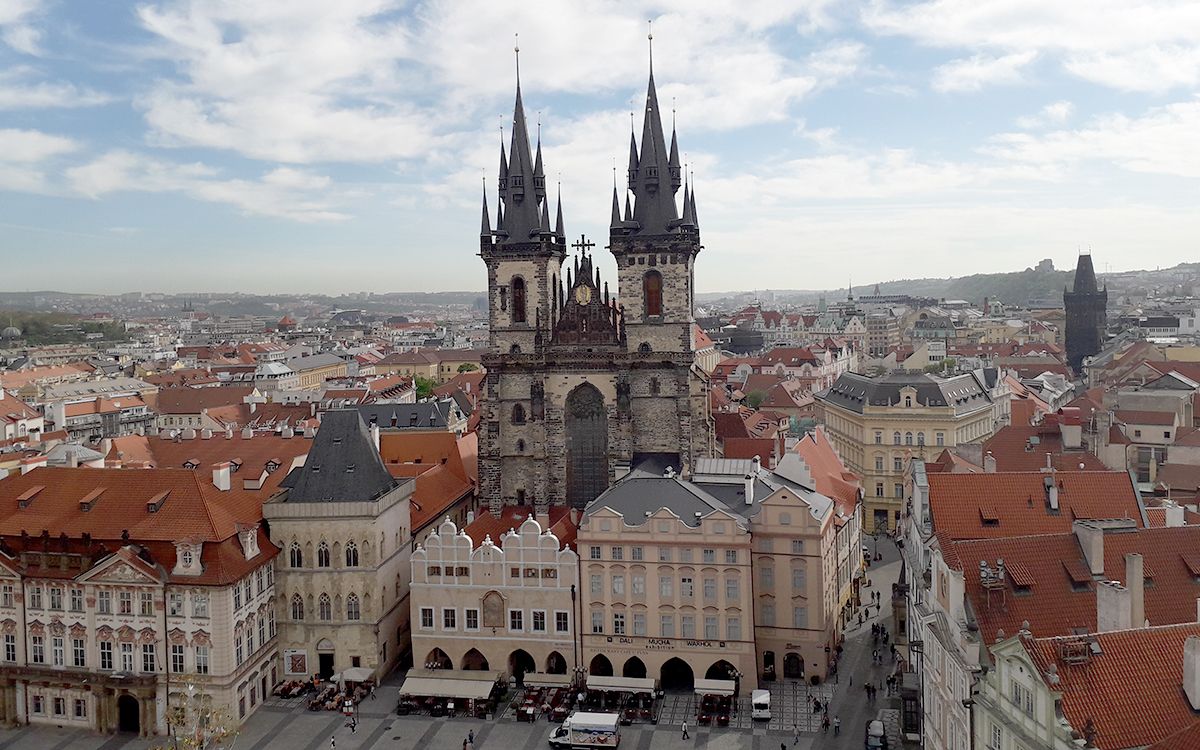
(584, 382)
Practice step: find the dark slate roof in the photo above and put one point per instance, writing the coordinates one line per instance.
(427, 415)
(853, 391)
(343, 464)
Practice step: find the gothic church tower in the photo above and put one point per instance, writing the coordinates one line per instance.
(1086, 315)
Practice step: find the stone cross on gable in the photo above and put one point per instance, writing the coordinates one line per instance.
(583, 245)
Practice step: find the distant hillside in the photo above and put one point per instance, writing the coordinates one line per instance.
(1022, 287)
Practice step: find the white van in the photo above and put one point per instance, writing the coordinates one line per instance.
(760, 705)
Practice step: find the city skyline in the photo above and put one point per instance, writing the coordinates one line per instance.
(193, 143)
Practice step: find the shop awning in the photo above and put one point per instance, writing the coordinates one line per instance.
(547, 680)
(621, 684)
(715, 687)
(353, 674)
(450, 684)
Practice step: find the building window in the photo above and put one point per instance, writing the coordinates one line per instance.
(799, 617)
(516, 620)
(106, 655)
(594, 552)
(262, 631)
(449, 619)
(637, 584)
(518, 414)
(471, 619)
(56, 651)
(733, 628)
(324, 608)
(666, 626)
(38, 644)
(202, 660)
(710, 589)
(768, 614)
(562, 623)
(35, 597)
(652, 289)
(322, 555)
(920, 438)
(177, 658)
(708, 555)
(427, 618)
(596, 584)
(10, 648)
(56, 597)
(636, 553)
(125, 603)
(618, 553)
(685, 555)
(353, 611)
(6, 595)
(895, 438)
(899, 488)
(78, 653)
(908, 438)
(618, 585)
(878, 437)
(731, 590)
(148, 664)
(618, 623)
(126, 657)
(237, 598)
(879, 463)
(295, 556)
(175, 604)
(297, 607)
(686, 588)
(939, 438)
(997, 739)
(799, 579)
(767, 576)
(797, 546)
(711, 628)
(687, 626)
(597, 621)
(518, 299)
(879, 489)
(897, 463)
(639, 623)
(665, 586)
(664, 554)
(39, 704)
(60, 706)
(351, 555)
(731, 557)
(239, 648)
(80, 708)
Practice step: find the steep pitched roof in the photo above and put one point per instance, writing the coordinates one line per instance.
(1024, 448)
(989, 505)
(186, 400)
(1129, 686)
(830, 475)
(343, 464)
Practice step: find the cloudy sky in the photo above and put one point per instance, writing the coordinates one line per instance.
(311, 145)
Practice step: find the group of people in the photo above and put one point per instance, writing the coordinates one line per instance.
(469, 742)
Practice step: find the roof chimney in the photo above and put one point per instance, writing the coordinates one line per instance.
(221, 474)
(287, 431)
(1091, 539)
(1051, 492)
(247, 433)
(206, 434)
(1173, 512)
(1191, 671)
(1113, 607)
(1135, 581)
(989, 463)
(749, 488)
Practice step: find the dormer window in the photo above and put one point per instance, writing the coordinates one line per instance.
(187, 559)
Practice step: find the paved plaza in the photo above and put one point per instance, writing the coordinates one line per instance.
(287, 725)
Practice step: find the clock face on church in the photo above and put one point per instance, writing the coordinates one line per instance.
(583, 294)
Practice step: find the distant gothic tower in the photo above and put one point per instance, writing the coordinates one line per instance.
(1086, 306)
(580, 387)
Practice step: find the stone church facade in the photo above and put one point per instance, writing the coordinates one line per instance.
(581, 384)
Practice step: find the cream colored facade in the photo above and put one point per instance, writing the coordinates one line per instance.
(1004, 723)
(876, 441)
(505, 605)
(796, 586)
(343, 581)
(665, 599)
(116, 645)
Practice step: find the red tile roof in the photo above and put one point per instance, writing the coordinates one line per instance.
(512, 516)
(185, 400)
(830, 475)
(1019, 499)
(1130, 691)
(435, 459)
(1187, 738)
(101, 405)
(250, 456)
(1052, 603)
(1012, 448)
(1135, 416)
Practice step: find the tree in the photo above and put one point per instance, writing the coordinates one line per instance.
(754, 398)
(424, 386)
(195, 723)
(468, 367)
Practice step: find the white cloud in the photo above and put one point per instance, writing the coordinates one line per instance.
(1054, 113)
(1162, 141)
(1145, 46)
(19, 91)
(15, 29)
(287, 194)
(978, 71)
(24, 158)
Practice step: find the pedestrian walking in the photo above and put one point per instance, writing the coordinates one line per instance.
(782, 746)
(683, 728)
(851, 678)
(825, 724)
(332, 742)
(837, 726)
(795, 735)
(471, 736)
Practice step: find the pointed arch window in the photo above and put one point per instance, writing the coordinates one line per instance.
(351, 555)
(322, 555)
(353, 612)
(518, 414)
(652, 289)
(324, 608)
(295, 556)
(518, 299)
(297, 607)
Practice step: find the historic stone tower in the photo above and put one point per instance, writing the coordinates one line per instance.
(1086, 307)
(580, 387)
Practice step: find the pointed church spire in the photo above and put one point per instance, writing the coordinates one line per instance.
(486, 229)
(673, 162)
(688, 220)
(539, 177)
(519, 174)
(695, 217)
(656, 177)
(616, 208)
(545, 225)
(633, 156)
(558, 220)
(628, 209)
